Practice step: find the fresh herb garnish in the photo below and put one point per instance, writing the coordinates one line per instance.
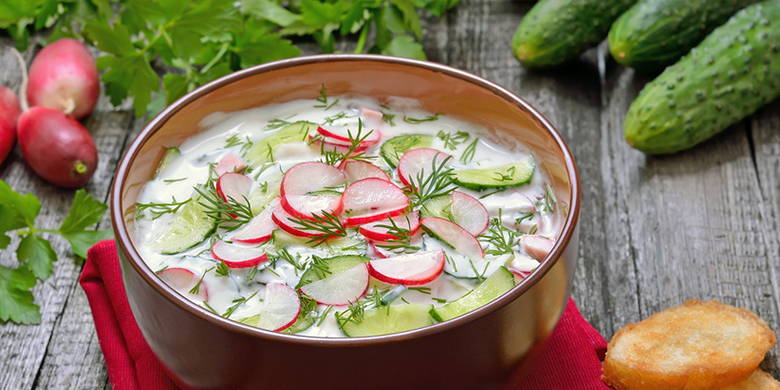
(388, 118)
(324, 315)
(549, 202)
(236, 304)
(504, 176)
(158, 209)
(428, 118)
(523, 217)
(480, 276)
(329, 120)
(422, 290)
(437, 182)
(452, 140)
(401, 237)
(233, 140)
(468, 153)
(319, 267)
(335, 155)
(222, 269)
(211, 309)
(490, 193)
(439, 300)
(168, 181)
(276, 123)
(325, 102)
(252, 273)
(196, 288)
(502, 239)
(324, 227)
(228, 214)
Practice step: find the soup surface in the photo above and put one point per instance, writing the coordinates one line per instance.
(344, 216)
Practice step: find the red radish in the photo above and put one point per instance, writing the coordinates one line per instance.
(283, 220)
(522, 265)
(302, 180)
(379, 231)
(378, 252)
(356, 170)
(234, 186)
(238, 255)
(454, 235)
(372, 199)
(281, 307)
(230, 163)
(469, 213)
(9, 113)
(342, 288)
(306, 206)
(536, 246)
(409, 270)
(183, 280)
(372, 118)
(63, 76)
(332, 144)
(419, 161)
(382, 249)
(57, 147)
(259, 228)
(343, 134)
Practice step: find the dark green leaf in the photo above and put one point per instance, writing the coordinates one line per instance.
(267, 48)
(85, 211)
(175, 86)
(129, 76)
(110, 39)
(319, 14)
(80, 242)
(16, 299)
(23, 207)
(410, 17)
(269, 10)
(9, 220)
(405, 46)
(37, 255)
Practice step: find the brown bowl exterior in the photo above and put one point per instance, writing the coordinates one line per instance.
(478, 350)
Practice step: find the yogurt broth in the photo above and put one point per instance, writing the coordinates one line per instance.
(344, 216)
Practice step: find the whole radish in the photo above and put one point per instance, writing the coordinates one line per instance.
(57, 147)
(63, 76)
(9, 112)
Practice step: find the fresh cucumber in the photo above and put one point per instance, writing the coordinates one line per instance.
(440, 206)
(493, 287)
(504, 176)
(304, 321)
(728, 76)
(389, 319)
(351, 243)
(333, 265)
(395, 147)
(262, 151)
(463, 267)
(190, 226)
(170, 154)
(655, 33)
(554, 31)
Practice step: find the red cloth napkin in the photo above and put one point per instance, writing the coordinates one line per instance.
(570, 360)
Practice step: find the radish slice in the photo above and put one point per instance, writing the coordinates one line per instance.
(283, 220)
(409, 270)
(469, 213)
(229, 163)
(259, 228)
(233, 186)
(372, 118)
(183, 280)
(417, 161)
(305, 178)
(454, 235)
(379, 232)
(372, 199)
(377, 252)
(382, 249)
(522, 265)
(306, 206)
(357, 170)
(341, 133)
(536, 246)
(281, 307)
(342, 288)
(332, 144)
(238, 255)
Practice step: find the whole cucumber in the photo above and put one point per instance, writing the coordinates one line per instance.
(554, 31)
(732, 73)
(655, 33)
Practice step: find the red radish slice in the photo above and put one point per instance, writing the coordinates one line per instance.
(373, 118)
(409, 270)
(233, 186)
(417, 161)
(522, 265)
(259, 228)
(342, 288)
(283, 219)
(454, 235)
(329, 144)
(469, 213)
(309, 177)
(9, 112)
(357, 170)
(238, 255)
(372, 199)
(230, 163)
(379, 232)
(281, 307)
(183, 280)
(342, 134)
(306, 206)
(378, 252)
(536, 246)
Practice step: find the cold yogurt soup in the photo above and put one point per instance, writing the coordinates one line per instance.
(344, 216)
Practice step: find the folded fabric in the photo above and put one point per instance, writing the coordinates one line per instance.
(570, 359)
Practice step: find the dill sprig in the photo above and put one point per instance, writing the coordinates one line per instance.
(452, 140)
(325, 102)
(222, 269)
(549, 202)
(388, 118)
(402, 237)
(480, 276)
(502, 239)
(196, 288)
(437, 182)
(323, 227)
(356, 311)
(236, 304)
(468, 153)
(319, 268)
(233, 140)
(415, 121)
(158, 209)
(228, 214)
(276, 123)
(169, 181)
(333, 156)
(330, 119)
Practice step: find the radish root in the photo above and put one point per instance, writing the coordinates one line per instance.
(23, 86)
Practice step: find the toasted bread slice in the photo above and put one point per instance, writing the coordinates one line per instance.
(697, 345)
(759, 380)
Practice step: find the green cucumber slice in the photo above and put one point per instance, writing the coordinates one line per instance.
(170, 154)
(395, 147)
(493, 287)
(439, 206)
(262, 150)
(504, 176)
(389, 319)
(190, 226)
(334, 265)
(262, 196)
(352, 243)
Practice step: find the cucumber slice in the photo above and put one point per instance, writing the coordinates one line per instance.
(262, 150)
(190, 226)
(262, 196)
(351, 244)
(389, 319)
(463, 267)
(170, 154)
(393, 148)
(504, 176)
(301, 324)
(440, 206)
(334, 265)
(283, 239)
(493, 287)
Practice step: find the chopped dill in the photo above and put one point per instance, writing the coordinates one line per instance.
(549, 202)
(422, 290)
(161, 269)
(329, 120)
(323, 227)
(158, 209)
(334, 155)
(324, 315)
(174, 180)
(438, 182)
(416, 121)
(450, 262)
(252, 273)
(468, 153)
(227, 214)
(480, 276)
(439, 300)
(452, 140)
(274, 124)
(233, 140)
(501, 176)
(526, 216)
(490, 193)
(388, 118)
(502, 239)
(222, 269)
(236, 304)
(196, 288)
(211, 309)
(325, 102)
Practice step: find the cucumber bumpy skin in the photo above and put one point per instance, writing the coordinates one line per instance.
(554, 31)
(732, 73)
(655, 33)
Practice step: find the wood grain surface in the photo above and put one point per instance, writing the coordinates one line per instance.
(654, 231)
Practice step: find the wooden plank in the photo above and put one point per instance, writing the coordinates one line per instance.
(23, 347)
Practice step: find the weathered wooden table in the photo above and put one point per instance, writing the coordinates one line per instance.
(653, 232)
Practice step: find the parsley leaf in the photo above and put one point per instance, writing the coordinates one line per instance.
(37, 255)
(16, 299)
